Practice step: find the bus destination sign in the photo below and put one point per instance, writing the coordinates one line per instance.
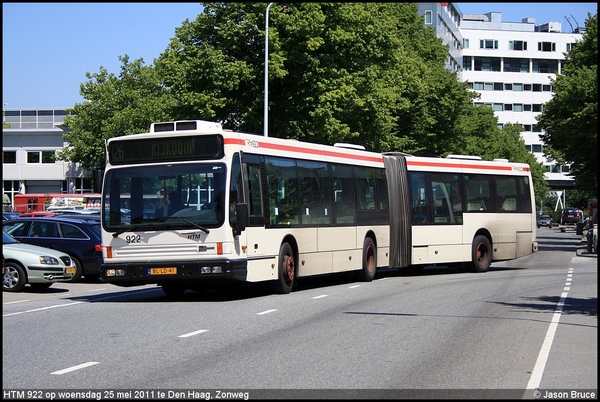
(173, 149)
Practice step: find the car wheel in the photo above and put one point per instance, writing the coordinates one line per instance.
(14, 277)
(78, 271)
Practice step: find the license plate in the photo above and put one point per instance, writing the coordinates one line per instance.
(163, 271)
(71, 270)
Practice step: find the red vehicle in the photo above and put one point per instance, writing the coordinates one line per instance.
(41, 201)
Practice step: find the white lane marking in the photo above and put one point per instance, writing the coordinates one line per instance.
(267, 312)
(319, 297)
(17, 301)
(540, 364)
(69, 369)
(193, 333)
(42, 308)
(354, 286)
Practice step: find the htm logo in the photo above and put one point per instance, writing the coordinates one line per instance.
(13, 394)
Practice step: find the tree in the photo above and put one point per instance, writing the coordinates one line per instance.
(570, 118)
(114, 106)
(367, 73)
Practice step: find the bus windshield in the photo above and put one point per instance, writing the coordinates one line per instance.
(167, 196)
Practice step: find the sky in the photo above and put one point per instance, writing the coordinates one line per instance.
(47, 48)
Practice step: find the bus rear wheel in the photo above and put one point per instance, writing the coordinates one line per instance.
(286, 272)
(369, 261)
(481, 254)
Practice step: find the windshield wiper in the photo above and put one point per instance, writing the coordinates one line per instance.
(202, 228)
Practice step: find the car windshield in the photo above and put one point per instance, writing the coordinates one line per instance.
(8, 239)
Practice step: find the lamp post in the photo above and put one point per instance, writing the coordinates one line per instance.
(266, 105)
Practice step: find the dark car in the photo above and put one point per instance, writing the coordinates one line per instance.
(571, 216)
(9, 215)
(78, 236)
(544, 220)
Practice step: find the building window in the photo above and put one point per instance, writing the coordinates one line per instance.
(487, 64)
(526, 87)
(527, 108)
(428, 17)
(537, 108)
(537, 87)
(570, 46)
(518, 107)
(488, 86)
(488, 44)
(9, 157)
(518, 87)
(465, 44)
(536, 148)
(517, 45)
(526, 127)
(498, 107)
(478, 86)
(498, 86)
(41, 157)
(508, 107)
(547, 88)
(508, 87)
(467, 63)
(546, 46)
(516, 65)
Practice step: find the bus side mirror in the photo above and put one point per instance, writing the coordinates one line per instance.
(98, 176)
(241, 211)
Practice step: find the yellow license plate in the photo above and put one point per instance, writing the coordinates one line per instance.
(71, 270)
(163, 271)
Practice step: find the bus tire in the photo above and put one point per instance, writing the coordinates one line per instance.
(286, 272)
(369, 261)
(481, 254)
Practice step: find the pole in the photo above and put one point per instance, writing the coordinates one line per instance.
(266, 105)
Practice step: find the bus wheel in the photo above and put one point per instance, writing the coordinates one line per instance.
(481, 254)
(369, 261)
(173, 290)
(286, 271)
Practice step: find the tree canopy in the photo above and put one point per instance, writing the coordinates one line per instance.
(365, 73)
(570, 118)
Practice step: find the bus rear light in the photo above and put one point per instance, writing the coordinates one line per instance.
(219, 248)
(109, 252)
(98, 247)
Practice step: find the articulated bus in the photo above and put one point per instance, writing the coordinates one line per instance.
(259, 209)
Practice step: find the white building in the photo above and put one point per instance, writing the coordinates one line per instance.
(510, 64)
(28, 154)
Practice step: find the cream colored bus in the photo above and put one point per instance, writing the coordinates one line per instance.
(188, 203)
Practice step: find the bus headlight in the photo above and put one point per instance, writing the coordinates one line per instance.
(217, 269)
(115, 272)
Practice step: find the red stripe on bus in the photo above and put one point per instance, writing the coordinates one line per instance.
(303, 150)
(460, 165)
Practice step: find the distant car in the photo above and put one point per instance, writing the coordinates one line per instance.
(571, 216)
(544, 220)
(36, 213)
(78, 236)
(39, 267)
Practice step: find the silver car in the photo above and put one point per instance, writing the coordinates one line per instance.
(37, 266)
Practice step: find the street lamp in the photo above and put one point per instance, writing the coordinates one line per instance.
(266, 105)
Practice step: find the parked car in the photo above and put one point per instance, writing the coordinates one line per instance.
(78, 236)
(571, 216)
(39, 267)
(9, 215)
(544, 220)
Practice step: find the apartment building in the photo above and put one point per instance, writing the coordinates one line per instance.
(510, 64)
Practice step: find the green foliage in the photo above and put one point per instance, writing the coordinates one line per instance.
(114, 106)
(571, 117)
(366, 73)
